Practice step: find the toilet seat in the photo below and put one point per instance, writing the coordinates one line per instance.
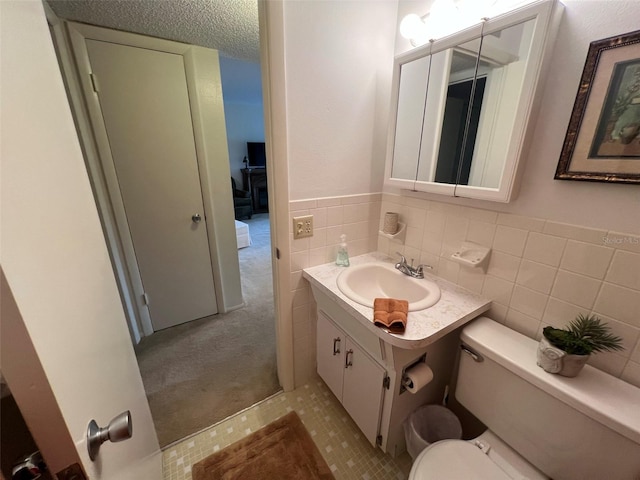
(455, 459)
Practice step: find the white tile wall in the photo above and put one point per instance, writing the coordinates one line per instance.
(576, 289)
(539, 273)
(536, 276)
(545, 249)
(625, 270)
(587, 259)
(619, 302)
(357, 216)
(509, 240)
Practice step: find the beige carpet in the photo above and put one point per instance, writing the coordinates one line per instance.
(199, 373)
(283, 450)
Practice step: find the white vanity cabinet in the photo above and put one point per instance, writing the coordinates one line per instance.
(363, 365)
(352, 375)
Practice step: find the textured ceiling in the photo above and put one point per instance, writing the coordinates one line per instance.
(230, 26)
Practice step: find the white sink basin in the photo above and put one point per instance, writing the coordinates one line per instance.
(364, 283)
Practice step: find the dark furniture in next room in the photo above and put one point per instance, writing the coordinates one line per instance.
(242, 203)
(255, 181)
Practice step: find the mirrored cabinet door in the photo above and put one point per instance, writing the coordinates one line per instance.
(464, 105)
(452, 107)
(412, 92)
(502, 63)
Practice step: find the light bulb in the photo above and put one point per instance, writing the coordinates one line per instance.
(411, 26)
(444, 19)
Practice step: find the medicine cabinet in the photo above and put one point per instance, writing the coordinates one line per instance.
(462, 105)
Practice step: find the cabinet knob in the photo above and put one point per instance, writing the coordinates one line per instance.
(336, 346)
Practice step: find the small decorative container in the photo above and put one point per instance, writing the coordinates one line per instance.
(554, 360)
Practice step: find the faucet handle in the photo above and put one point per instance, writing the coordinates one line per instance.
(402, 259)
(420, 268)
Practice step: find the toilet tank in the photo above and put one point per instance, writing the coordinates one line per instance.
(581, 428)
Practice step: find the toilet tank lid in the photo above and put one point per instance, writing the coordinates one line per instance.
(606, 399)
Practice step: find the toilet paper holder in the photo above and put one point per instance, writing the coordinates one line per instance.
(405, 380)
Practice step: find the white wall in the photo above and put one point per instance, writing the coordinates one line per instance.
(339, 56)
(56, 262)
(339, 59)
(245, 123)
(591, 204)
(243, 109)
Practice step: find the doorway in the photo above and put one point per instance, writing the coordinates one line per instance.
(202, 371)
(214, 367)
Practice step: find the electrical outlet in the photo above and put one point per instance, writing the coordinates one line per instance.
(303, 226)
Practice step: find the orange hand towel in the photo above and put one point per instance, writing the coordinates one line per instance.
(390, 313)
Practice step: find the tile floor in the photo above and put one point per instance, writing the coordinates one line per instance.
(346, 451)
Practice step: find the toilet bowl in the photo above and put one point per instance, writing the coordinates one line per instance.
(483, 458)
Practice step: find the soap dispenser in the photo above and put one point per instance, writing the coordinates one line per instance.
(342, 258)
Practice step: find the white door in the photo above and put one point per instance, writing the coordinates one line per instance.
(65, 299)
(144, 103)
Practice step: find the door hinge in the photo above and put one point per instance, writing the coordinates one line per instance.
(145, 298)
(379, 440)
(386, 381)
(278, 253)
(94, 82)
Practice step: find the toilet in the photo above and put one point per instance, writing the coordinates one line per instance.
(540, 425)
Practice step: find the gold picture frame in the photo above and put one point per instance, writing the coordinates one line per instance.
(602, 143)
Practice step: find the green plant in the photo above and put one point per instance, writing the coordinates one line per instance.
(584, 335)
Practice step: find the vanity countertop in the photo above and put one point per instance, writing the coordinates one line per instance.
(456, 306)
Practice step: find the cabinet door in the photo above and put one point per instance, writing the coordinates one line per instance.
(471, 122)
(330, 346)
(412, 92)
(362, 390)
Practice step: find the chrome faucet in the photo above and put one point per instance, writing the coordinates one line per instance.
(415, 272)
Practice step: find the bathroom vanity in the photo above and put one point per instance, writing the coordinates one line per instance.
(363, 364)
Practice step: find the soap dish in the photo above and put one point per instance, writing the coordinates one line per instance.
(399, 235)
(471, 254)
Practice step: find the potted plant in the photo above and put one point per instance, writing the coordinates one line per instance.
(566, 351)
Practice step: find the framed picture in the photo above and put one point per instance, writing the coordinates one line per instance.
(603, 139)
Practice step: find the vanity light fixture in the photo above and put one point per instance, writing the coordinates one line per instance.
(413, 28)
(449, 16)
(443, 18)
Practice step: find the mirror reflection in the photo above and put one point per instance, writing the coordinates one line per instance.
(463, 99)
(502, 65)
